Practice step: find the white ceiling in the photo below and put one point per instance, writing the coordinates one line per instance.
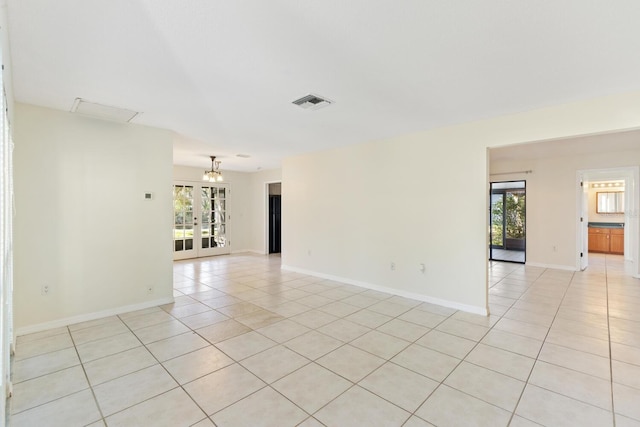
(222, 74)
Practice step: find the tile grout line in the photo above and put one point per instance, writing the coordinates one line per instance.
(353, 384)
(606, 282)
(238, 362)
(536, 358)
(144, 345)
(84, 371)
(180, 386)
(386, 360)
(513, 414)
(440, 383)
(284, 317)
(409, 308)
(163, 367)
(578, 371)
(267, 385)
(80, 364)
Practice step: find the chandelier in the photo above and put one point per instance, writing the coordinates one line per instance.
(214, 175)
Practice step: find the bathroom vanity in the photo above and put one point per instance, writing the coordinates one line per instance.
(606, 237)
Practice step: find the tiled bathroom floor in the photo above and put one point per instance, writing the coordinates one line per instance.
(246, 344)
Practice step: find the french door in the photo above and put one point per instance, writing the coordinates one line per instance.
(199, 220)
(507, 221)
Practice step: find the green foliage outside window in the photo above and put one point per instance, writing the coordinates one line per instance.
(514, 220)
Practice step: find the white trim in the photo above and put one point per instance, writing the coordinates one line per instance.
(552, 266)
(582, 234)
(393, 291)
(631, 176)
(265, 215)
(91, 316)
(253, 251)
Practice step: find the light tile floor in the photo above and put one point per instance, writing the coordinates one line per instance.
(246, 344)
(507, 255)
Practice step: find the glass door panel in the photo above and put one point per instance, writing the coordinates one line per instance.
(183, 221)
(213, 205)
(497, 222)
(205, 208)
(514, 218)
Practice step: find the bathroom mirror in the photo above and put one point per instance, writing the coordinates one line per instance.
(610, 202)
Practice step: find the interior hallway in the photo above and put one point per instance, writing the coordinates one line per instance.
(246, 344)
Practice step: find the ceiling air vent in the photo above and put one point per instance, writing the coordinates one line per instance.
(312, 102)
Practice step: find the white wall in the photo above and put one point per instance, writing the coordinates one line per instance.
(394, 201)
(551, 201)
(422, 198)
(82, 226)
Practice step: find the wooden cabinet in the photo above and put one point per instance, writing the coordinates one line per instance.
(616, 241)
(599, 240)
(606, 240)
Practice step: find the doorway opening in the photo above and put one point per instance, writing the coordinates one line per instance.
(507, 221)
(608, 223)
(199, 220)
(275, 217)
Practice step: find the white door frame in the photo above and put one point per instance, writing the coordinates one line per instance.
(583, 222)
(265, 215)
(631, 177)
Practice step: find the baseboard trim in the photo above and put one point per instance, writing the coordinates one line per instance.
(392, 291)
(251, 251)
(552, 266)
(39, 327)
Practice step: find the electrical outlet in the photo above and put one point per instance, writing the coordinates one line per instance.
(309, 252)
(423, 268)
(45, 290)
(393, 266)
(150, 290)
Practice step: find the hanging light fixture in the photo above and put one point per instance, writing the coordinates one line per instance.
(214, 175)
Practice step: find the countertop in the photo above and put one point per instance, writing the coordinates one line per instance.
(606, 224)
